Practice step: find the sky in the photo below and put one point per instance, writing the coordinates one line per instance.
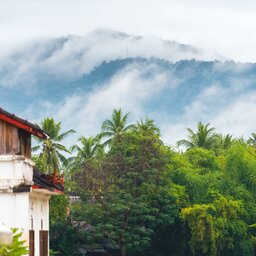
(226, 27)
(65, 40)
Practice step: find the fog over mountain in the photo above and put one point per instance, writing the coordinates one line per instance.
(70, 57)
(79, 80)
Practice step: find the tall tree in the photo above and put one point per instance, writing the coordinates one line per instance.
(115, 127)
(223, 142)
(147, 126)
(136, 197)
(204, 137)
(226, 140)
(87, 149)
(51, 148)
(252, 139)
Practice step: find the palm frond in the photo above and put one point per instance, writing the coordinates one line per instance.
(64, 135)
(35, 148)
(185, 143)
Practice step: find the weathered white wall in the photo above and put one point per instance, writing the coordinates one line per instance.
(15, 170)
(39, 215)
(15, 212)
(26, 210)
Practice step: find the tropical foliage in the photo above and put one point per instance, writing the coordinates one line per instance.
(115, 127)
(17, 248)
(204, 137)
(138, 196)
(51, 149)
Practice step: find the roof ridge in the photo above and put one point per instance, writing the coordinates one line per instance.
(22, 123)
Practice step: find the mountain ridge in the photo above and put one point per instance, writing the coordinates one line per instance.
(85, 78)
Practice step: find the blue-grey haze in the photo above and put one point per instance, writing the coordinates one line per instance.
(34, 89)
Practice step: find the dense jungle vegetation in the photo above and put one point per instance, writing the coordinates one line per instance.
(137, 196)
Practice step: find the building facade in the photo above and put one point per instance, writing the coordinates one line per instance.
(24, 191)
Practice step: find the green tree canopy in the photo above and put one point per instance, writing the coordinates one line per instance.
(141, 197)
(51, 149)
(136, 198)
(204, 137)
(115, 127)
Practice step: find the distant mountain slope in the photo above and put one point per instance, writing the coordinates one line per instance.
(79, 80)
(190, 77)
(70, 57)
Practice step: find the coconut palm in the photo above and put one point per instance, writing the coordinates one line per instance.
(147, 127)
(252, 139)
(204, 137)
(225, 141)
(88, 148)
(51, 148)
(114, 128)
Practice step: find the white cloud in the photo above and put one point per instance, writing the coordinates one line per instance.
(68, 58)
(222, 26)
(229, 107)
(129, 90)
(171, 133)
(238, 118)
(234, 115)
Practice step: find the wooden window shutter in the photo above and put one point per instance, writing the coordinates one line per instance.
(31, 243)
(43, 234)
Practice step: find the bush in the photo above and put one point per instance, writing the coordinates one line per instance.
(17, 247)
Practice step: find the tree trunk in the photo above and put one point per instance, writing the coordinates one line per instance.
(122, 247)
(122, 239)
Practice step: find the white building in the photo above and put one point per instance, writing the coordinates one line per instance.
(24, 191)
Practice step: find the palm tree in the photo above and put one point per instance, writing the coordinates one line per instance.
(252, 139)
(51, 149)
(225, 141)
(90, 147)
(115, 127)
(204, 137)
(147, 127)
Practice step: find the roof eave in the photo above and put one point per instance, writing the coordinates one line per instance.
(22, 125)
(41, 189)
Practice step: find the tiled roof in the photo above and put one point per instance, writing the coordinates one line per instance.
(43, 180)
